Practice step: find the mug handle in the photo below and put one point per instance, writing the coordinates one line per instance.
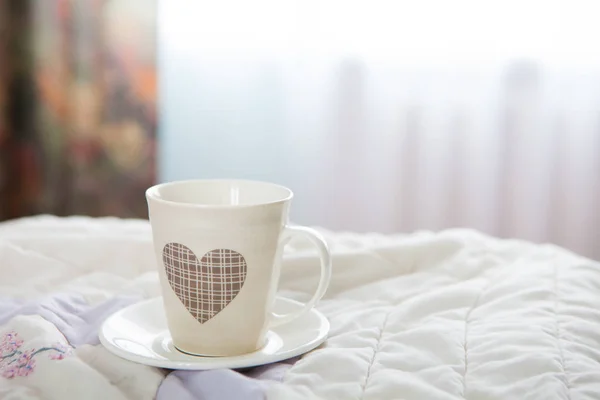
(317, 239)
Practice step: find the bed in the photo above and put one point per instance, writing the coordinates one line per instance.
(449, 315)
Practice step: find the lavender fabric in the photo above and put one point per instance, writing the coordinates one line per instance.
(79, 323)
(222, 384)
(213, 385)
(70, 313)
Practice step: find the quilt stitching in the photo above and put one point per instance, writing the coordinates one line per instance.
(559, 333)
(466, 342)
(375, 352)
(467, 321)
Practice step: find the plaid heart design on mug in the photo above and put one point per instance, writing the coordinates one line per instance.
(205, 286)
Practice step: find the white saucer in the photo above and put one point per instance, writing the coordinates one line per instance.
(139, 333)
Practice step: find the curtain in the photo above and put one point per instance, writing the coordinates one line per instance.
(394, 116)
(77, 107)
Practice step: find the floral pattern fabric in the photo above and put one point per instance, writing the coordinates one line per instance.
(18, 361)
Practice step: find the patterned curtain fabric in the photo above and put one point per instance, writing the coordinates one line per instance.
(77, 107)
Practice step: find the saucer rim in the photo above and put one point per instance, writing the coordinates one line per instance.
(206, 362)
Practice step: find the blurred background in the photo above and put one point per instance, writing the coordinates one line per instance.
(388, 116)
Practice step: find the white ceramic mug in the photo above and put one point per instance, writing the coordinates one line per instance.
(219, 245)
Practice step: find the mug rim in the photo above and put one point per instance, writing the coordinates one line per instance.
(152, 193)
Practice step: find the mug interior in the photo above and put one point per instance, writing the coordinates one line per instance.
(219, 192)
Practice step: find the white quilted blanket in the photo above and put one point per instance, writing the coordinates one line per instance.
(451, 315)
